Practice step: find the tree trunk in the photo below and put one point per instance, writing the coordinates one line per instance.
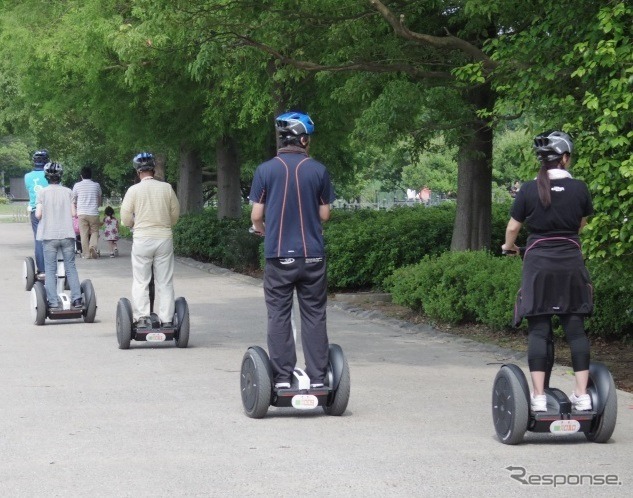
(190, 181)
(159, 173)
(473, 220)
(228, 168)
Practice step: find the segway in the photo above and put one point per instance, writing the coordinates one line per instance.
(512, 416)
(259, 392)
(39, 304)
(126, 330)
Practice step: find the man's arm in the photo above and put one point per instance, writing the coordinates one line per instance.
(324, 212)
(175, 208)
(127, 210)
(257, 217)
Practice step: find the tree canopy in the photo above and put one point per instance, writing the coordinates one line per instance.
(199, 82)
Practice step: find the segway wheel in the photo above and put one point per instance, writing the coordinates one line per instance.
(604, 424)
(339, 379)
(38, 303)
(256, 382)
(29, 272)
(510, 410)
(181, 322)
(124, 323)
(90, 301)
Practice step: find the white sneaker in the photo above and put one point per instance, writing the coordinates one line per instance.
(581, 403)
(538, 403)
(282, 385)
(316, 385)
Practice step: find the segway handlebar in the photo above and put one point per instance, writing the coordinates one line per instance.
(507, 252)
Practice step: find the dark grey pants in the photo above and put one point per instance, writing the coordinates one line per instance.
(308, 277)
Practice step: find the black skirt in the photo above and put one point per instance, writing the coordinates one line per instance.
(555, 280)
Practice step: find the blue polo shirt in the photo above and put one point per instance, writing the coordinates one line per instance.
(292, 186)
(34, 181)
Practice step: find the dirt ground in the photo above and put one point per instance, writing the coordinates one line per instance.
(617, 356)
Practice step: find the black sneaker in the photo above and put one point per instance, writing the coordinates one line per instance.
(167, 325)
(144, 322)
(56, 307)
(41, 276)
(78, 303)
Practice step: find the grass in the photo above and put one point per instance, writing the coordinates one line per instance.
(14, 212)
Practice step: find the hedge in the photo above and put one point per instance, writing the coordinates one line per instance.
(463, 287)
(406, 251)
(226, 242)
(365, 247)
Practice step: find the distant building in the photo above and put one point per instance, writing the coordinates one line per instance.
(17, 189)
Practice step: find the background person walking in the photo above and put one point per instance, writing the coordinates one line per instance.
(111, 230)
(87, 198)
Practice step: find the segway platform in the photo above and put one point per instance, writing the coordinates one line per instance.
(300, 395)
(156, 333)
(259, 392)
(126, 330)
(512, 416)
(41, 311)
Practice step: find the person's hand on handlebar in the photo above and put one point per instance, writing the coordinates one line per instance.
(510, 250)
(256, 231)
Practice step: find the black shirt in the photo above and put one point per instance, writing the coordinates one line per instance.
(292, 186)
(571, 202)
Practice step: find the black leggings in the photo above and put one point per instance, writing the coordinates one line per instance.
(540, 329)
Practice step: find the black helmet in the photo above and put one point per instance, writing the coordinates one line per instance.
(40, 158)
(53, 172)
(144, 162)
(551, 145)
(294, 123)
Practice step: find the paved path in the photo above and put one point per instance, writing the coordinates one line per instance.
(79, 417)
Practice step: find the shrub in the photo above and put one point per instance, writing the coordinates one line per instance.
(460, 287)
(365, 247)
(492, 288)
(477, 286)
(613, 288)
(226, 242)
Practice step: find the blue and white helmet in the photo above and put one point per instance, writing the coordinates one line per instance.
(551, 145)
(144, 162)
(294, 123)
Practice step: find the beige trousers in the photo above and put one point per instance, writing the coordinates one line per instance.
(89, 232)
(156, 254)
